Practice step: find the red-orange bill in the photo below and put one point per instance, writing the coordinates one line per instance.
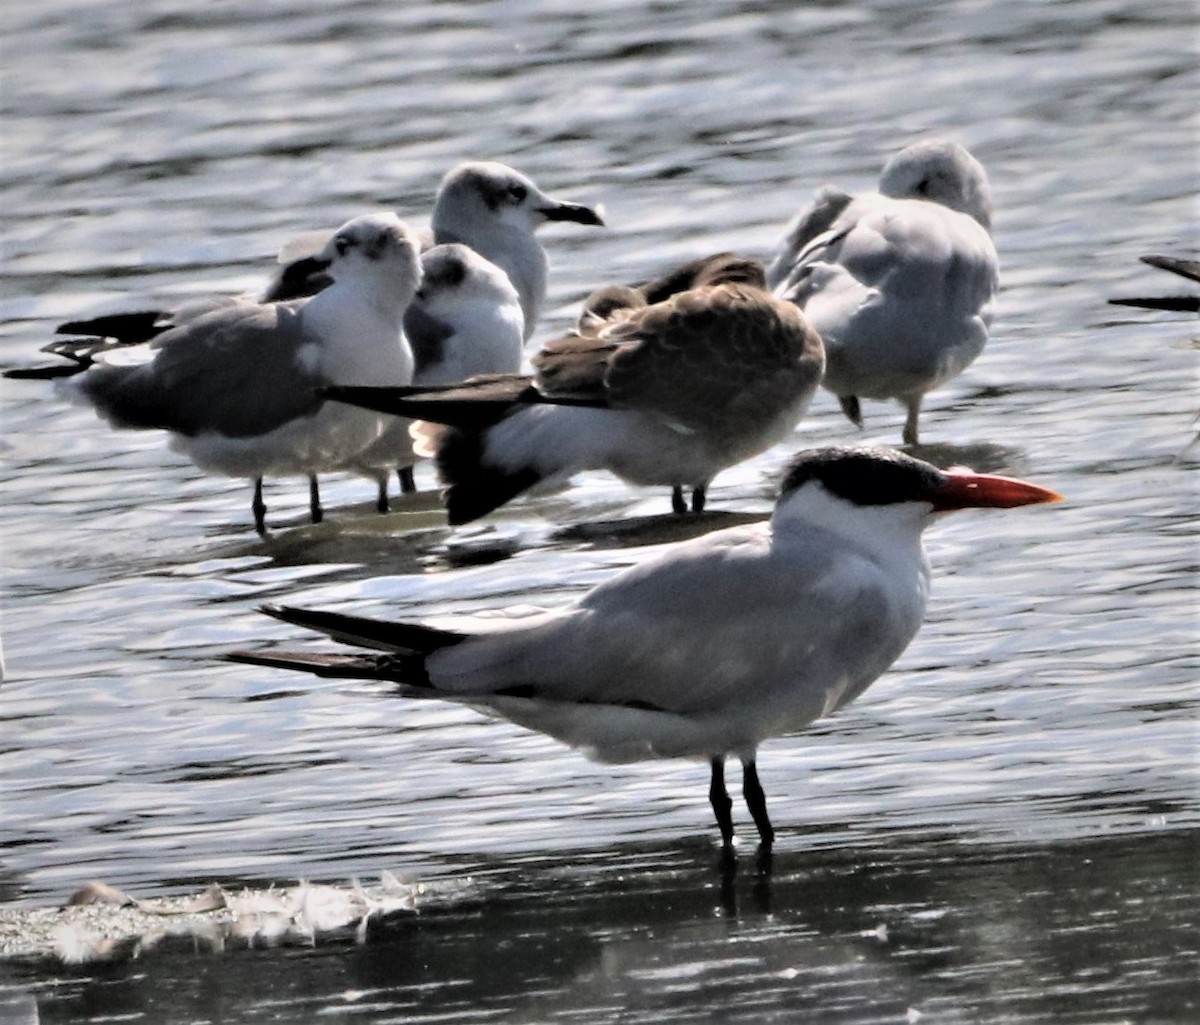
(968, 490)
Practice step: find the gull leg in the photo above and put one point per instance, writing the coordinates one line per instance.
(678, 505)
(718, 797)
(699, 494)
(315, 512)
(852, 409)
(913, 406)
(381, 501)
(756, 801)
(259, 507)
(408, 483)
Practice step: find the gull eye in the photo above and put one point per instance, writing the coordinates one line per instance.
(342, 245)
(517, 193)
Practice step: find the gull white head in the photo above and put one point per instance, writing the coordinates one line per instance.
(456, 275)
(941, 172)
(377, 248)
(485, 192)
(496, 211)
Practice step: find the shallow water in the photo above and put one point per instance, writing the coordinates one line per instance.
(1016, 801)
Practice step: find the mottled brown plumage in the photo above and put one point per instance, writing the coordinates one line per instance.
(676, 390)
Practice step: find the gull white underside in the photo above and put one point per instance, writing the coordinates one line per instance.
(641, 448)
(307, 445)
(486, 339)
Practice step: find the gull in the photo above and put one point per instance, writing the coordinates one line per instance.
(663, 393)
(712, 647)
(238, 387)
(488, 206)
(466, 320)
(495, 210)
(899, 283)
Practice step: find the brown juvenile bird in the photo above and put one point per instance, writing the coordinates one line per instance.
(665, 384)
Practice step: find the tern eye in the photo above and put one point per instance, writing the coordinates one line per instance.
(517, 193)
(342, 245)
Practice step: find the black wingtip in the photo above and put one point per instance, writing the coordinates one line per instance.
(1185, 268)
(388, 635)
(1169, 303)
(312, 619)
(46, 372)
(130, 328)
(335, 666)
(472, 487)
(379, 399)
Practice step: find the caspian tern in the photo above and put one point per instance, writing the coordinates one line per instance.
(238, 387)
(712, 647)
(668, 392)
(899, 283)
(465, 320)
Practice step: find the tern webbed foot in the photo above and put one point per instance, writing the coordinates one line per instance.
(764, 864)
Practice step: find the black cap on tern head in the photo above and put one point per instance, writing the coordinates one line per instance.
(864, 476)
(881, 476)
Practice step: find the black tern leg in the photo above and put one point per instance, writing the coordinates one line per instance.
(381, 500)
(408, 483)
(678, 505)
(259, 507)
(756, 801)
(315, 512)
(699, 494)
(719, 798)
(851, 408)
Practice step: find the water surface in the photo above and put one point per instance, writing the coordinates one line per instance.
(1016, 801)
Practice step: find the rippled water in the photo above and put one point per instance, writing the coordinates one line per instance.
(1016, 801)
